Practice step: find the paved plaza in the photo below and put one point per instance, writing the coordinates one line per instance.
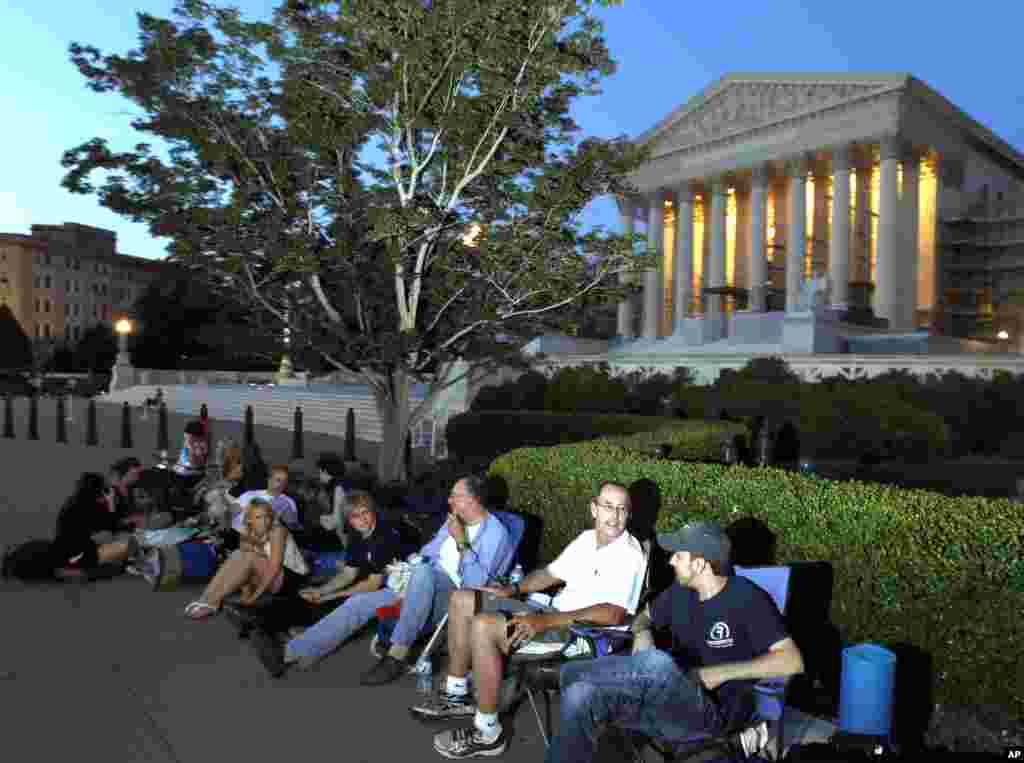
(113, 669)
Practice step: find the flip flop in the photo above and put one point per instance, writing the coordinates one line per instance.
(200, 610)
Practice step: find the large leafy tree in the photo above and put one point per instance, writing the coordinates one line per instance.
(17, 347)
(398, 182)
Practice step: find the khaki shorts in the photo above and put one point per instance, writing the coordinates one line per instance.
(544, 643)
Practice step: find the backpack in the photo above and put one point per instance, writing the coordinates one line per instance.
(32, 560)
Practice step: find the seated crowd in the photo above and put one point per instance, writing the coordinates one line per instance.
(722, 632)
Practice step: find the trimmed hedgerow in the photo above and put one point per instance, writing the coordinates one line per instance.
(483, 434)
(944, 574)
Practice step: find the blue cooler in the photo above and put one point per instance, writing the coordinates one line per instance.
(866, 690)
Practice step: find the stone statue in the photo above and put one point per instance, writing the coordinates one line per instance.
(814, 291)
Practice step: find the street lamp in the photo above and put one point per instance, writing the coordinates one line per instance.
(1003, 334)
(123, 328)
(122, 375)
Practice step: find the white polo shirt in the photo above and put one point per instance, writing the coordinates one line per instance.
(613, 574)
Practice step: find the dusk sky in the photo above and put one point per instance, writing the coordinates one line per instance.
(667, 50)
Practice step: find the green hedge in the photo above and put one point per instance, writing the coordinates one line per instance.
(945, 574)
(483, 434)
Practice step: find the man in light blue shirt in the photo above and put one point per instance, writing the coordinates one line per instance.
(467, 552)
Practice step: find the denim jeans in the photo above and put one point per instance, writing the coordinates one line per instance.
(330, 631)
(425, 603)
(646, 692)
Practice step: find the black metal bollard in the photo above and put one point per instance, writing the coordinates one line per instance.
(91, 438)
(297, 434)
(162, 442)
(62, 423)
(249, 436)
(8, 417)
(126, 425)
(408, 457)
(33, 417)
(350, 435)
(764, 447)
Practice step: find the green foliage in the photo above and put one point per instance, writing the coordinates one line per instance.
(96, 351)
(488, 434)
(524, 394)
(584, 389)
(17, 347)
(849, 421)
(910, 566)
(269, 194)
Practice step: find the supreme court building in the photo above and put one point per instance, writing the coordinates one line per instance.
(822, 213)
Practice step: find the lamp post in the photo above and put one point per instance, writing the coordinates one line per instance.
(123, 374)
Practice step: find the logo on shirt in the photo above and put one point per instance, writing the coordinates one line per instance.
(719, 636)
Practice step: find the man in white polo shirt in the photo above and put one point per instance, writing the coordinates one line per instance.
(284, 508)
(603, 571)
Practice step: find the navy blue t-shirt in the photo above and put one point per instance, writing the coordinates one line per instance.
(371, 555)
(738, 624)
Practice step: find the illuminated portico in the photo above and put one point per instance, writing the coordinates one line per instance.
(787, 208)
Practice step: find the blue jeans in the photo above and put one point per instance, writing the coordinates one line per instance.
(646, 692)
(425, 600)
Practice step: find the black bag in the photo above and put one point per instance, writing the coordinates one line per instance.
(32, 560)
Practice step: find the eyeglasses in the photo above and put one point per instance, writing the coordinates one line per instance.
(612, 507)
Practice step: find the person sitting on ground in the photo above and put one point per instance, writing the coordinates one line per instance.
(254, 470)
(375, 544)
(267, 560)
(726, 633)
(285, 510)
(332, 477)
(213, 493)
(603, 571)
(124, 475)
(87, 518)
(194, 452)
(466, 551)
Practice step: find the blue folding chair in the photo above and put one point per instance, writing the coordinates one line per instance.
(768, 703)
(516, 527)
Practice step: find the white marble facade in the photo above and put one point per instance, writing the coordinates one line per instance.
(779, 203)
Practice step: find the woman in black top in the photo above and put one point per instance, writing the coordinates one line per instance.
(90, 510)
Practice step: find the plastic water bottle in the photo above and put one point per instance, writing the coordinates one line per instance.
(516, 575)
(424, 671)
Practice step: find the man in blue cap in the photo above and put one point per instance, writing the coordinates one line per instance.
(726, 634)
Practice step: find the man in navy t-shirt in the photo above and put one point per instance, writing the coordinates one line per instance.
(726, 634)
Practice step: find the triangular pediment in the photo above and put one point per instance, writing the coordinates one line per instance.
(738, 103)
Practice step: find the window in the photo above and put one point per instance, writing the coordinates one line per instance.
(37, 304)
(47, 305)
(67, 287)
(47, 332)
(49, 282)
(36, 282)
(37, 331)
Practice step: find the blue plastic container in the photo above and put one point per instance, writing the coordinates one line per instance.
(866, 690)
(324, 564)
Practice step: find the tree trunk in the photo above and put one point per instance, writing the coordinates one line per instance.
(393, 409)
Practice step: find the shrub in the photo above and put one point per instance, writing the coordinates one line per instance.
(487, 434)
(910, 566)
(525, 393)
(848, 421)
(585, 388)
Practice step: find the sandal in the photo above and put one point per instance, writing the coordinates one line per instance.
(200, 610)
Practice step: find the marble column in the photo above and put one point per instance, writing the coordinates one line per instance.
(624, 322)
(716, 265)
(652, 276)
(906, 283)
(839, 242)
(820, 237)
(796, 225)
(860, 266)
(886, 273)
(683, 277)
(758, 258)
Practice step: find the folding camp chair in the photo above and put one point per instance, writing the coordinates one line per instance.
(768, 698)
(541, 674)
(387, 617)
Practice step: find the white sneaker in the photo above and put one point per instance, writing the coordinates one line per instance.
(755, 739)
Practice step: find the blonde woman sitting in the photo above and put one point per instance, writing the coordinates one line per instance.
(267, 560)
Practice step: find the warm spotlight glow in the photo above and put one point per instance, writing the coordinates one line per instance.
(123, 326)
(1004, 334)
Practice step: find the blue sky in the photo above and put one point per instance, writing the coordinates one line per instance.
(667, 50)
